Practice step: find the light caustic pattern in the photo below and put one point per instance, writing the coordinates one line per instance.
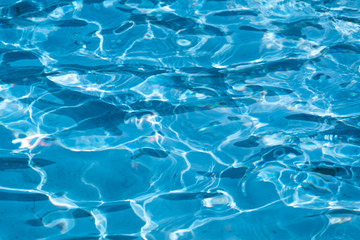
(199, 119)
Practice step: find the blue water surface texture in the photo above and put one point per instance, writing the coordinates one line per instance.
(179, 119)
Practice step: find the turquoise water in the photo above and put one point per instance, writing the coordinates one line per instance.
(196, 119)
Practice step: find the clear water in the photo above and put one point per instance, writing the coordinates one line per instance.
(183, 119)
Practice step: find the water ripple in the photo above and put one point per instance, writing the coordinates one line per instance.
(179, 119)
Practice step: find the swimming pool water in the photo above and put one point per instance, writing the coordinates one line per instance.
(188, 119)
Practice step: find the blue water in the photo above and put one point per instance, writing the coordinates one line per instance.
(188, 119)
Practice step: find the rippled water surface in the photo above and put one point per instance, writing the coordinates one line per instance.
(188, 119)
